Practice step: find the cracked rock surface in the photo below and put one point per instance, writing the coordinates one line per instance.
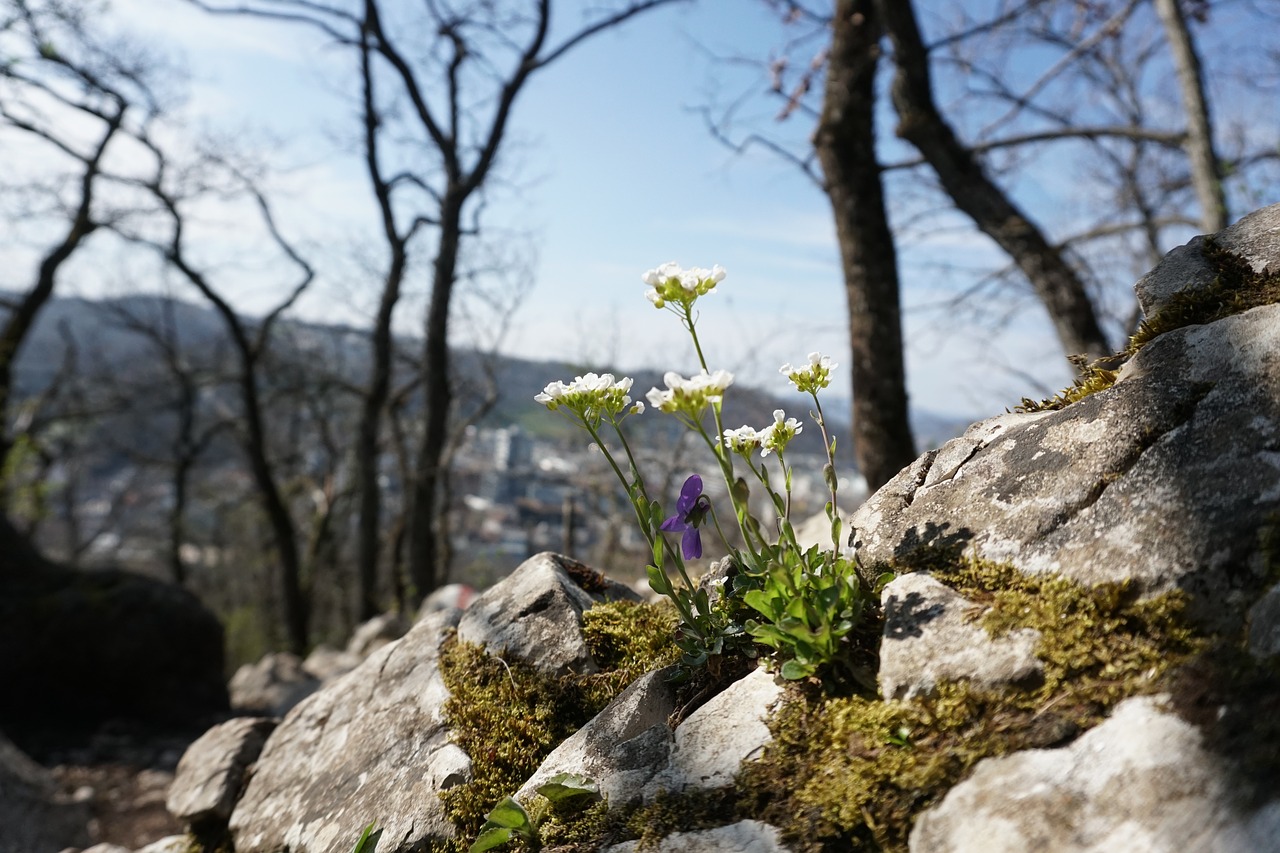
(933, 634)
(373, 745)
(1126, 484)
(1141, 782)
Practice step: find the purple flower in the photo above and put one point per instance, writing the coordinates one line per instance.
(691, 508)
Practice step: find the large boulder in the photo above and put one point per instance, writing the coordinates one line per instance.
(1166, 479)
(368, 746)
(87, 647)
(373, 745)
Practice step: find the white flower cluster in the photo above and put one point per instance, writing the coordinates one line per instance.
(672, 283)
(773, 438)
(742, 441)
(777, 434)
(591, 397)
(812, 377)
(691, 395)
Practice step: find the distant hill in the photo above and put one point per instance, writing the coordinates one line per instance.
(97, 332)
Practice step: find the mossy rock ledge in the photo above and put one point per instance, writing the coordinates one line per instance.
(1080, 651)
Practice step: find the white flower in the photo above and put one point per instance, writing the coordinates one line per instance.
(742, 440)
(690, 395)
(778, 434)
(813, 377)
(672, 283)
(658, 276)
(590, 396)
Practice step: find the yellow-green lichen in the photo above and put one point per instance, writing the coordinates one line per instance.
(1235, 289)
(851, 773)
(508, 717)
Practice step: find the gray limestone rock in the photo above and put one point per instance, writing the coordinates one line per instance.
(369, 746)
(711, 744)
(271, 686)
(213, 771)
(747, 836)
(326, 662)
(932, 634)
(1126, 484)
(535, 613)
(376, 633)
(622, 747)
(372, 745)
(1141, 782)
(1256, 238)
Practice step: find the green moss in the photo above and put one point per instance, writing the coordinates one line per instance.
(627, 639)
(508, 716)
(1234, 290)
(850, 773)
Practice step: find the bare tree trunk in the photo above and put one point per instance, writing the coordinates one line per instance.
(1056, 284)
(367, 446)
(379, 390)
(1206, 173)
(253, 440)
(845, 144)
(424, 551)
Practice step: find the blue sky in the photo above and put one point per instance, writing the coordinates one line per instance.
(614, 173)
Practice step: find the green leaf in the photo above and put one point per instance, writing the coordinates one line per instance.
(566, 786)
(510, 814)
(658, 581)
(490, 838)
(368, 842)
(762, 603)
(794, 670)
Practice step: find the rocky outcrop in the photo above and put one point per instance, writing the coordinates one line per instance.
(536, 612)
(748, 836)
(1255, 239)
(88, 647)
(1168, 481)
(1128, 484)
(369, 746)
(213, 772)
(373, 745)
(1141, 782)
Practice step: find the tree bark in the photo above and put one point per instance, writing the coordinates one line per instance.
(424, 552)
(1206, 171)
(845, 145)
(963, 178)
